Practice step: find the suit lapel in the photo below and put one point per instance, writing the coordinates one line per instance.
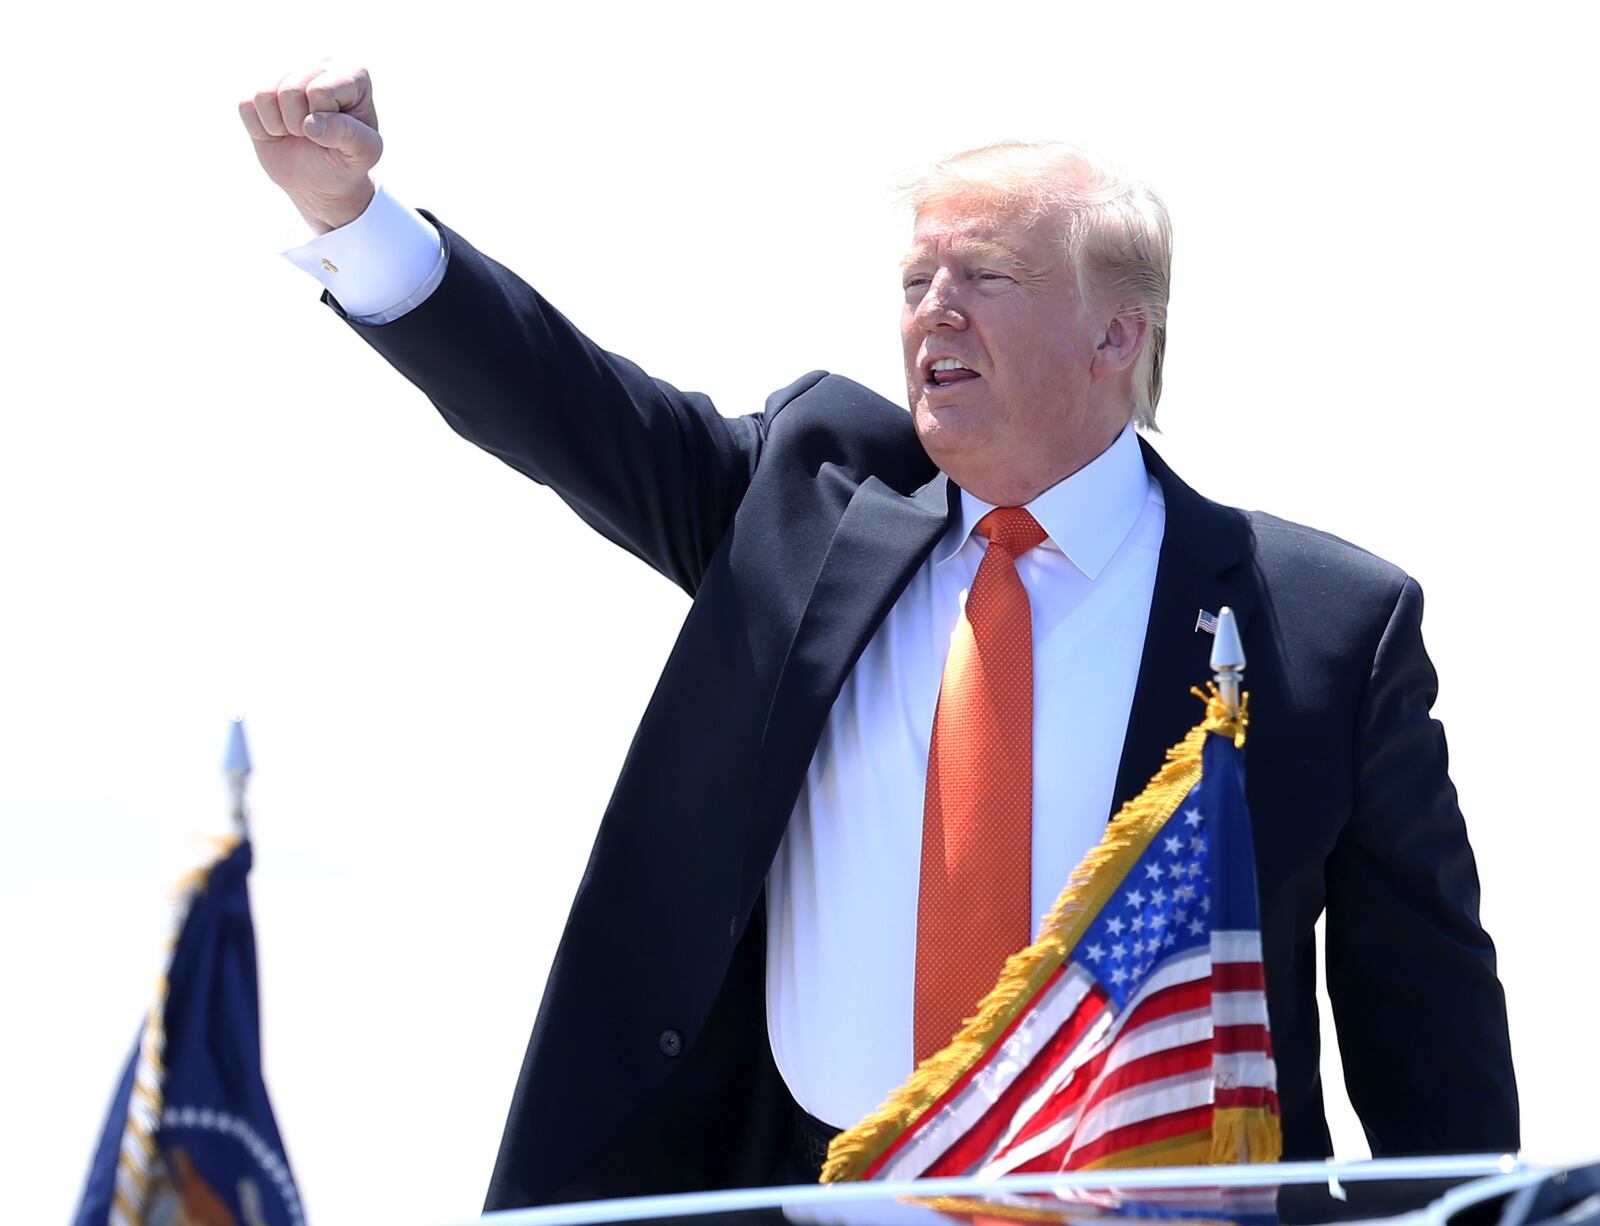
(881, 539)
(1203, 551)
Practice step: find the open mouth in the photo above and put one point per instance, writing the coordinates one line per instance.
(942, 372)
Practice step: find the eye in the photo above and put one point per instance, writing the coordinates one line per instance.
(995, 278)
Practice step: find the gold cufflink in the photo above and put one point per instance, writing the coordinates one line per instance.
(329, 264)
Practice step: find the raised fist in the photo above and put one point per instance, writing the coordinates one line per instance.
(316, 136)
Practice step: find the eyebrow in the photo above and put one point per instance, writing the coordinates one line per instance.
(967, 248)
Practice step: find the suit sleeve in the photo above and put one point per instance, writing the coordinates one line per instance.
(656, 470)
(1411, 973)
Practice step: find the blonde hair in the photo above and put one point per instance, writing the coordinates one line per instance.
(1116, 235)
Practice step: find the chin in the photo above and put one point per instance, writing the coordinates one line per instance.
(946, 434)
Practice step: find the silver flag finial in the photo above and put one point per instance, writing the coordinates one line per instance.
(236, 766)
(1227, 659)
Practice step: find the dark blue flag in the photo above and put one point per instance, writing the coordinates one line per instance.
(190, 1135)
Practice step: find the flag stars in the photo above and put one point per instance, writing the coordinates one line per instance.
(1192, 817)
(1153, 871)
(1095, 954)
(1119, 977)
(1138, 971)
(1197, 928)
(1194, 868)
(1205, 905)
(1137, 925)
(1159, 897)
(1197, 844)
(1183, 893)
(1173, 845)
(1115, 926)
(1119, 951)
(1135, 898)
(1158, 921)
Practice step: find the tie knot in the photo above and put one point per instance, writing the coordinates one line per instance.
(1012, 528)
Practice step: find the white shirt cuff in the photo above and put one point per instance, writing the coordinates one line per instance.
(381, 265)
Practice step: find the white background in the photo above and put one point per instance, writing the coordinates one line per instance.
(215, 499)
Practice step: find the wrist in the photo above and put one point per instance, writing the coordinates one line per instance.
(324, 213)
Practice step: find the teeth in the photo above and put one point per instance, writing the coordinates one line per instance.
(949, 364)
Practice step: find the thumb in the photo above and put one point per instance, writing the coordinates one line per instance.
(344, 133)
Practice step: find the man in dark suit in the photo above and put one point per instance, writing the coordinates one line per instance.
(824, 541)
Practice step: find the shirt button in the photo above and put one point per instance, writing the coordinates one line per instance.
(670, 1042)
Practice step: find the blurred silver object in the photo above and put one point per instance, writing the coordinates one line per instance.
(236, 766)
(1227, 659)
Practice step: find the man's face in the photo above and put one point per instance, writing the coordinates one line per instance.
(1000, 352)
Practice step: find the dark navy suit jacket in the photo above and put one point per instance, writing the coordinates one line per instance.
(795, 529)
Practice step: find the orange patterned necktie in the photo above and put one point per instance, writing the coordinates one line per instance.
(975, 906)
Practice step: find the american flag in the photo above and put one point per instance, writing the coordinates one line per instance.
(1134, 1031)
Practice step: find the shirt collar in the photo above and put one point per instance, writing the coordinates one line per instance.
(1087, 516)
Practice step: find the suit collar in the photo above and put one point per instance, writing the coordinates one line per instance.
(1086, 516)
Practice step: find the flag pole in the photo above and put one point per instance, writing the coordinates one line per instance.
(1227, 659)
(236, 766)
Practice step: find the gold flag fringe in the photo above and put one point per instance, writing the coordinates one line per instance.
(1088, 889)
(137, 1155)
(1245, 1134)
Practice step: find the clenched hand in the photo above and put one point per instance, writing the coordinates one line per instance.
(316, 136)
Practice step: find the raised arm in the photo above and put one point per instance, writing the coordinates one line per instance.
(655, 470)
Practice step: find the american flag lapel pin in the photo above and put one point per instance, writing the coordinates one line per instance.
(1206, 621)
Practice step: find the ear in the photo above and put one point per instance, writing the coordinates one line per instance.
(1125, 335)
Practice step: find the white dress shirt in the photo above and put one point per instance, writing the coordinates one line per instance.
(842, 892)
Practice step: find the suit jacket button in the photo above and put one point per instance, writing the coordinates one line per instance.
(671, 1042)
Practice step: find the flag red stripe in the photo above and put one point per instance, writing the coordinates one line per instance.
(1158, 1065)
(1144, 1132)
(1179, 998)
(988, 1128)
(1169, 1062)
(909, 1134)
(1242, 1038)
(1083, 1093)
(1174, 1062)
(1247, 1096)
(1238, 977)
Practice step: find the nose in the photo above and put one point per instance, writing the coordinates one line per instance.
(940, 305)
